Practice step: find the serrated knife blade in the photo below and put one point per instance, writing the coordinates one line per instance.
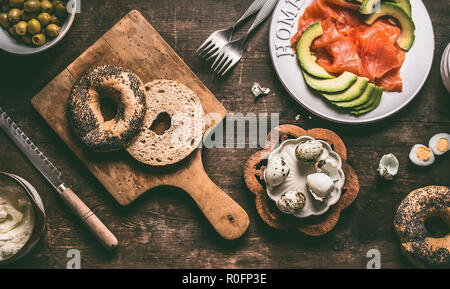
(51, 173)
(31, 151)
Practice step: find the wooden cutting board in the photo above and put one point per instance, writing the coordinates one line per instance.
(133, 43)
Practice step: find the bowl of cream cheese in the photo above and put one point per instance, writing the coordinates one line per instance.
(22, 217)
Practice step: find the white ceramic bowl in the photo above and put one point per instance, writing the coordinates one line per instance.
(39, 214)
(296, 180)
(11, 45)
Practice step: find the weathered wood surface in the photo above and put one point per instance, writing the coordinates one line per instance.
(165, 228)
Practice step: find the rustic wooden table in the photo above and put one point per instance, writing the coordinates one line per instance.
(164, 228)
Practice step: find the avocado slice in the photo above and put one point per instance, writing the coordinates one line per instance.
(371, 100)
(406, 38)
(368, 6)
(344, 81)
(363, 98)
(405, 5)
(351, 93)
(305, 57)
(372, 106)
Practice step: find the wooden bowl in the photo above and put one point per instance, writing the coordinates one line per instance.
(269, 213)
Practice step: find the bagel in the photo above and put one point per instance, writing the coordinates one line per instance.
(160, 144)
(127, 91)
(421, 204)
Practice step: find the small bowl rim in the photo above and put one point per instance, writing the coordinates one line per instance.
(36, 50)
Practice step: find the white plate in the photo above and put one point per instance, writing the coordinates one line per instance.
(414, 71)
(296, 179)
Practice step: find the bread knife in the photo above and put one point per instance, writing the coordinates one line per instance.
(53, 176)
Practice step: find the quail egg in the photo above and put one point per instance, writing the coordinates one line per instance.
(439, 143)
(421, 155)
(328, 167)
(277, 170)
(388, 166)
(309, 150)
(320, 185)
(291, 201)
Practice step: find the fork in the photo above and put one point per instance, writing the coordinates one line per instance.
(232, 52)
(218, 39)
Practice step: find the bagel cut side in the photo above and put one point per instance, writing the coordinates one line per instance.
(173, 125)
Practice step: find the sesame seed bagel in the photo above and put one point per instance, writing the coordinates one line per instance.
(414, 210)
(174, 124)
(127, 91)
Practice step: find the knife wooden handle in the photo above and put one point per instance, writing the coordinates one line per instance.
(101, 232)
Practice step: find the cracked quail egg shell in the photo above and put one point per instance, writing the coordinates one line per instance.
(277, 170)
(328, 167)
(388, 166)
(320, 185)
(440, 143)
(421, 155)
(291, 201)
(309, 150)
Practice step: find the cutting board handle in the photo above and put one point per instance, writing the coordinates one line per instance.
(224, 214)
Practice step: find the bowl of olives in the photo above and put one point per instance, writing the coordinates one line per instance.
(33, 26)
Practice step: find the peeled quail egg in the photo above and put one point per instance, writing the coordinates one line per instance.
(277, 170)
(319, 185)
(309, 150)
(291, 201)
(421, 155)
(328, 167)
(388, 166)
(439, 143)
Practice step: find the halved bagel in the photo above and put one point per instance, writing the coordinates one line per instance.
(173, 126)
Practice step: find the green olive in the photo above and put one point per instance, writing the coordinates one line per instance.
(14, 15)
(27, 39)
(34, 27)
(12, 31)
(56, 20)
(16, 3)
(61, 9)
(46, 6)
(21, 28)
(27, 16)
(45, 19)
(39, 39)
(52, 30)
(4, 20)
(33, 6)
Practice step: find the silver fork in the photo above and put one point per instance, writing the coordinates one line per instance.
(218, 39)
(231, 53)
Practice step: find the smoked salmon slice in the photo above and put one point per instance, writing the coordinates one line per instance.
(347, 44)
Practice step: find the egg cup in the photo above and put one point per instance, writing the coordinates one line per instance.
(296, 179)
(314, 225)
